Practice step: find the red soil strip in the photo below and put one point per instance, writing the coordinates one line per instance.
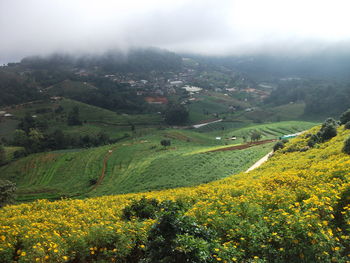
(103, 172)
(243, 146)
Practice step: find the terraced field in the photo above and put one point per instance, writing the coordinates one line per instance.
(138, 165)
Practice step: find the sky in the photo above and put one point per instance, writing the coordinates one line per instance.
(209, 27)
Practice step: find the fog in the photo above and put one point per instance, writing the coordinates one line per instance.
(225, 27)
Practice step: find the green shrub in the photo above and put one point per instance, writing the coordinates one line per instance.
(328, 131)
(142, 209)
(7, 192)
(347, 125)
(313, 140)
(346, 147)
(345, 117)
(178, 238)
(278, 145)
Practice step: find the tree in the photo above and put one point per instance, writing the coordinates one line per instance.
(59, 109)
(27, 123)
(328, 131)
(165, 143)
(176, 114)
(278, 145)
(346, 147)
(347, 125)
(255, 136)
(345, 117)
(7, 192)
(20, 138)
(2, 154)
(73, 117)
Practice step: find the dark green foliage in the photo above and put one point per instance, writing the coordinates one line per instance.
(345, 117)
(313, 140)
(278, 145)
(59, 109)
(176, 114)
(2, 154)
(328, 131)
(178, 238)
(142, 209)
(20, 153)
(16, 89)
(27, 123)
(73, 117)
(92, 181)
(255, 136)
(346, 148)
(347, 125)
(7, 192)
(165, 143)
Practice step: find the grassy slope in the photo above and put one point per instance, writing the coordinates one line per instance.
(95, 119)
(140, 164)
(293, 208)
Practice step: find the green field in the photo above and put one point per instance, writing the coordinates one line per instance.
(94, 119)
(139, 164)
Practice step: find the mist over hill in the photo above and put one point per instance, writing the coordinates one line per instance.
(134, 60)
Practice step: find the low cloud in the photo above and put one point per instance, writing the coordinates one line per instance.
(30, 27)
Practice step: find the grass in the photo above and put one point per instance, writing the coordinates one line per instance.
(289, 111)
(9, 151)
(139, 164)
(211, 103)
(94, 119)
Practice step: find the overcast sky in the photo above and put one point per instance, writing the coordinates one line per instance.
(31, 27)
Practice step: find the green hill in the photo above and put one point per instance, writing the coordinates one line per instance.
(139, 164)
(94, 119)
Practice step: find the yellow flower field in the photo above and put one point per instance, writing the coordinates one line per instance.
(294, 208)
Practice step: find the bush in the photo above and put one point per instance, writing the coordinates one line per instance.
(278, 145)
(347, 125)
(7, 192)
(142, 209)
(328, 131)
(92, 181)
(313, 140)
(19, 154)
(345, 117)
(165, 143)
(178, 238)
(176, 115)
(346, 148)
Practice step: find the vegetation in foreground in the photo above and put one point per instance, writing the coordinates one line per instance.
(294, 208)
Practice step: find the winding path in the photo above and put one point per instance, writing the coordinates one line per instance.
(104, 167)
(260, 162)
